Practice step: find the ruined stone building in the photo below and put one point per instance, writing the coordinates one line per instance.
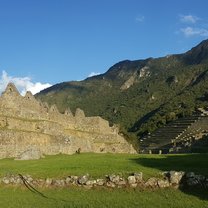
(26, 123)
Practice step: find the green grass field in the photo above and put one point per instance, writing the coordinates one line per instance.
(98, 165)
(78, 198)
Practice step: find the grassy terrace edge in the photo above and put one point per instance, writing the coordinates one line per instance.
(99, 165)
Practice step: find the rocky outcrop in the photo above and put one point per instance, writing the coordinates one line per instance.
(128, 83)
(144, 72)
(135, 77)
(29, 128)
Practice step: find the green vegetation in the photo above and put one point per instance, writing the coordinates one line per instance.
(79, 198)
(99, 165)
(173, 87)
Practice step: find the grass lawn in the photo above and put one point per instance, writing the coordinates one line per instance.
(64, 198)
(98, 165)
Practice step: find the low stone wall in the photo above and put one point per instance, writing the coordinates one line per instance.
(168, 179)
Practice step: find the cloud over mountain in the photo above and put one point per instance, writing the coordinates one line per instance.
(190, 31)
(193, 26)
(23, 84)
(93, 74)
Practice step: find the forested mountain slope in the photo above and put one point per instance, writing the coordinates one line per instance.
(140, 95)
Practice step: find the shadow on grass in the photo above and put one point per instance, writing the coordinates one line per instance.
(200, 192)
(196, 163)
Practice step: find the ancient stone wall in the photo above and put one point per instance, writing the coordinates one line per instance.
(170, 179)
(26, 123)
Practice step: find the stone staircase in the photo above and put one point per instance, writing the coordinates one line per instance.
(175, 135)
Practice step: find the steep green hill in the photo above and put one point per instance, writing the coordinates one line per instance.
(140, 95)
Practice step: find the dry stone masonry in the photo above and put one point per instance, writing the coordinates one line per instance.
(30, 129)
(177, 136)
(169, 179)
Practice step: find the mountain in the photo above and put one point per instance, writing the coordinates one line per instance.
(140, 96)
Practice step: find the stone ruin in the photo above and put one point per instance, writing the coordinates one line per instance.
(169, 179)
(28, 125)
(178, 136)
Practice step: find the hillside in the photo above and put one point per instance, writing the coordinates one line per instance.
(140, 95)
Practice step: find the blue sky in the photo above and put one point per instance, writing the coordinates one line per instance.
(51, 41)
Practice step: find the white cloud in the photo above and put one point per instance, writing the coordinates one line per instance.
(189, 18)
(23, 84)
(140, 18)
(93, 74)
(192, 26)
(190, 31)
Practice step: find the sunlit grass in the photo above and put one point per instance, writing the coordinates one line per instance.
(17, 197)
(98, 165)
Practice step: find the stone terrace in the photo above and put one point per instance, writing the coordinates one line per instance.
(176, 135)
(27, 124)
